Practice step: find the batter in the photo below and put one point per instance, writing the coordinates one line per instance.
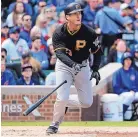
(73, 42)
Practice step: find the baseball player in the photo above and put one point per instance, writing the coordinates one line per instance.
(73, 42)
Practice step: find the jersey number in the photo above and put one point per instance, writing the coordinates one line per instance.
(80, 44)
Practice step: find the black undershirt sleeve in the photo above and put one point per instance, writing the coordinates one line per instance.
(97, 60)
(60, 50)
(96, 49)
(64, 58)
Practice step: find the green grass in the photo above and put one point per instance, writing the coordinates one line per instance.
(88, 124)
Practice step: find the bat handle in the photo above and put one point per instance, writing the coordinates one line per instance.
(65, 81)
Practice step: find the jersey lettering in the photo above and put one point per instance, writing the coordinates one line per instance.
(80, 44)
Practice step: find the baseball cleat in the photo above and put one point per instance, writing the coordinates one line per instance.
(51, 130)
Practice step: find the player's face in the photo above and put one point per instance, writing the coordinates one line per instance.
(75, 18)
(127, 62)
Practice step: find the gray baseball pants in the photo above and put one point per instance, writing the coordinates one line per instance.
(82, 82)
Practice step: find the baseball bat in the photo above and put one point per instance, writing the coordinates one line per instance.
(31, 108)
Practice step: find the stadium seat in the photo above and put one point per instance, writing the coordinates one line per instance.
(46, 72)
(16, 67)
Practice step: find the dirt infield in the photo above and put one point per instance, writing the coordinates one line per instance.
(35, 131)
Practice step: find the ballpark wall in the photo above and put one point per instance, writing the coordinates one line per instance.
(15, 99)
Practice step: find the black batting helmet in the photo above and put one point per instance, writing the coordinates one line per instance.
(72, 8)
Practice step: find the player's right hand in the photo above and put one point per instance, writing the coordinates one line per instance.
(76, 68)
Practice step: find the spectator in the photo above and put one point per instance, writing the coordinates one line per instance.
(84, 3)
(4, 32)
(116, 51)
(38, 9)
(135, 52)
(7, 77)
(125, 9)
(39, 54)
(136, 4)
(90, 13)
(50, 46)
(129, 33)
(12, 17)
(136, 30)
(116, 4)
(19, 20)
(136, 25)
(61, 19)
(27, 25)
(51, 18)
(106, 20)
(136, 14)
(41, 22)
(125, 81)
(36, 32)
(100, 4)
(129, 2)
(14, 45)
(129, 23)
(38, 74)
(33, 2)
(59, 4)
(4, 55)
(53, 57)
(26, 78)
(50, 14)
(27, 6)
(4, 14)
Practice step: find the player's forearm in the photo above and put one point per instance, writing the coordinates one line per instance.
(64, 58)
(97, 61)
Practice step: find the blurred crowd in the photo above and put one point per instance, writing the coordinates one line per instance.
(27, 26)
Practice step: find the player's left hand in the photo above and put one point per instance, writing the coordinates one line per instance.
(96, 75)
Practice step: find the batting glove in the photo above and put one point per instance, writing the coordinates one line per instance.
(96, 75)
(77, 68)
